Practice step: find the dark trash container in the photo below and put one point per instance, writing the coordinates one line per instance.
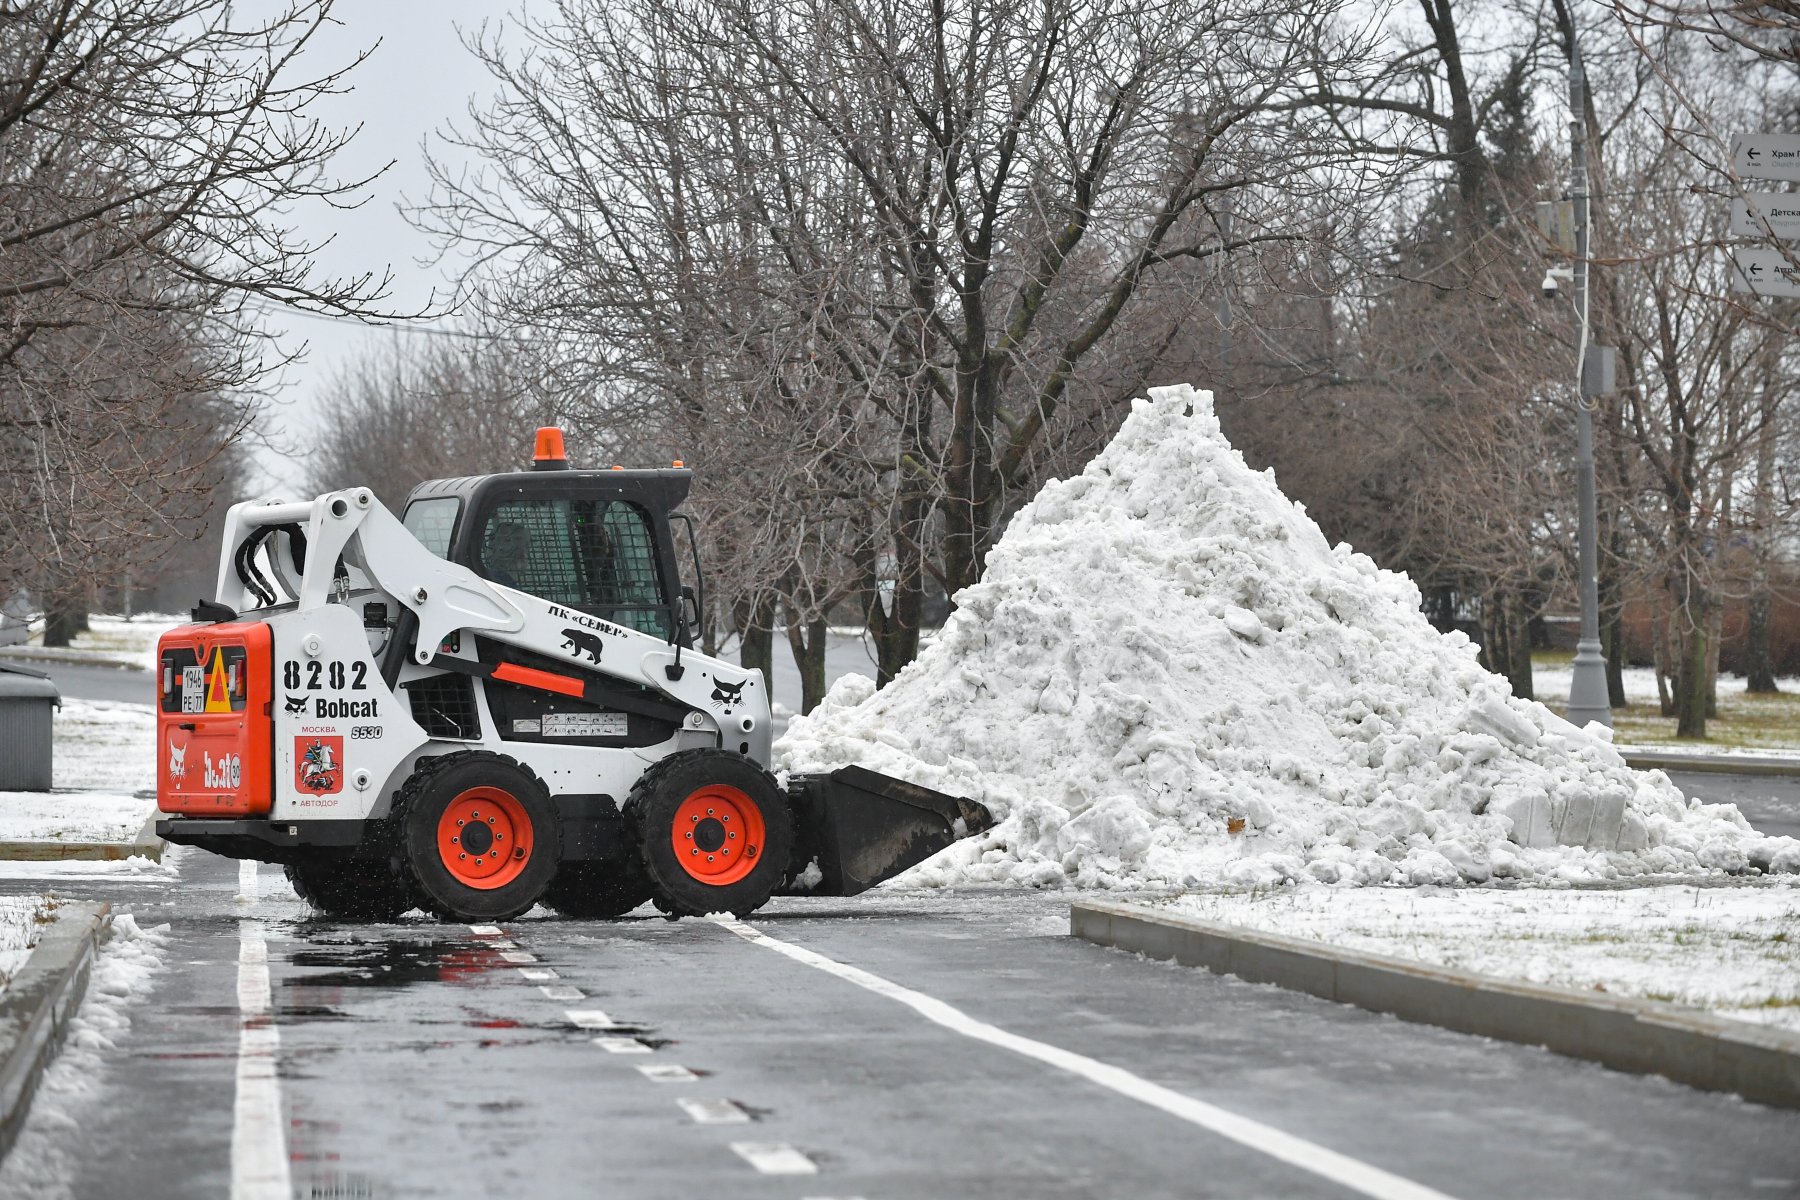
(26, 698)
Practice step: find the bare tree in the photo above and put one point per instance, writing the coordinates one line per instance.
(897, 243)
(432, 407)
(149, 150)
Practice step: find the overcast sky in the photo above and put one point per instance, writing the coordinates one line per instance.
(418, 77)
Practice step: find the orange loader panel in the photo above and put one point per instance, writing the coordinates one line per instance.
(214, 725)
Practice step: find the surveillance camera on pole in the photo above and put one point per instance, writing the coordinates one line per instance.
(1554, 274)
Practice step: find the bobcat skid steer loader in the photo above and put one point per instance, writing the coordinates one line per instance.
(493, 701)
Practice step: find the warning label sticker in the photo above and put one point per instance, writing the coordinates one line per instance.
(606, 724)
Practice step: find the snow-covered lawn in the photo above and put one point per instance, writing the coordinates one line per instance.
(21, 917)
(1733, 951)
(108, 641)
(105, 754)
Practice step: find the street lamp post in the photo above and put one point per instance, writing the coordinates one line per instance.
(1588, 699)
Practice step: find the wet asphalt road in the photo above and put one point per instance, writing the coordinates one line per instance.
(416, 1061)
(90, 682)
(1770, 803)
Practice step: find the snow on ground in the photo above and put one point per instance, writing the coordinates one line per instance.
(1168, 678)
(1553, 682)
(1733, 951)
(67, 1111)
(104, 753)
(21, 917)
(108, 641)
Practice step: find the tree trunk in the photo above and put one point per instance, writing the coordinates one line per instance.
(1659, 651)
(895, 606)
(65, 614)
(807, 640)
(1612, 616)
(1518, 644)
(1715, 634)
(1495, 656)
(756, 637)
(1693, 621)
(1761, 668)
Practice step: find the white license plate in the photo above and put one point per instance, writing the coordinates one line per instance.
(193, 689)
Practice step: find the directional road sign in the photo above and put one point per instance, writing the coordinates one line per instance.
(1780, 209)
(1764, 271)
(1766, 155)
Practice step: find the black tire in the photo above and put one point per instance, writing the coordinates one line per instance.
(350, 889)
(515, 876)
(654, 809)
(598, 890)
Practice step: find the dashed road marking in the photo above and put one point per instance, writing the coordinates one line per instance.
(714, 1112)
(518, 956)
(590, 1018)
(503, 944)
(621, 1045)
(775, 1158)
(259, 1158)
(247, 889)
(564, 994)
(486, 930)
(537, 974)
(667, 1073)
(1285, 1147)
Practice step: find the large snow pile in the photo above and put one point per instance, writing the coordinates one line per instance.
(1167, 678)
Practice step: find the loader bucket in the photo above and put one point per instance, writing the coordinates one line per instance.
(863, 827)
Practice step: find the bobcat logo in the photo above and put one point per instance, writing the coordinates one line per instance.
(177, 762)
(294, 704)
(728, 694)
(580, 641)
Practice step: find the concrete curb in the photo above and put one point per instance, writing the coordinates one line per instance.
(37, 1004)
(1641, 1036)
(1715, 764)
(87, 851)
(148, 845)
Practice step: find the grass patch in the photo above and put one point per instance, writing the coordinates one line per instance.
(1743, 722)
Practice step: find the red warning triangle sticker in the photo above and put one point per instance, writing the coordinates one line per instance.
(218, 694)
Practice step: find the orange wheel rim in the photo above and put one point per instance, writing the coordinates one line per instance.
(717, 834)
(484, 838)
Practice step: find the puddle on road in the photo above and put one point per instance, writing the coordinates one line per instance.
(394, 963)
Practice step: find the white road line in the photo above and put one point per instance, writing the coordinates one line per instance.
(563, 994)
(667, 1073)
(503, 944)
(537, 974)
(1341, 1169)
(714, 1112)
(775, 1158)
(486, 930)
(621, 1045)
(590, 1018)
(259, 1158)
(518, 956)
(246, 880)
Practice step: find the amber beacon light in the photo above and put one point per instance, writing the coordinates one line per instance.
(549, 454)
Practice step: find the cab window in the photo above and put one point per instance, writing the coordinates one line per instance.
(433, 522)
(595, 555)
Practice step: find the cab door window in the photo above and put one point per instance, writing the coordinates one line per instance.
(595, 555)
